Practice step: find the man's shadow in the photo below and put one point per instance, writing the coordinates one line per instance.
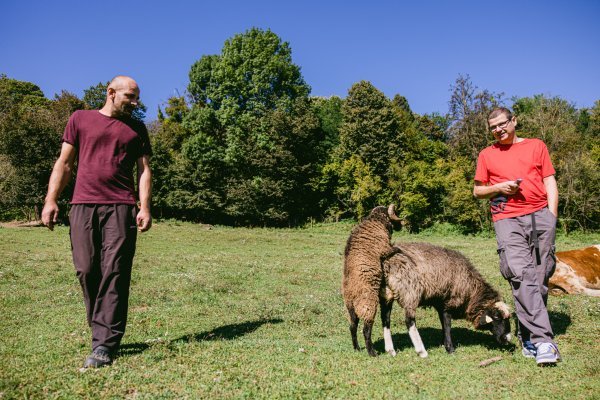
(225, 332)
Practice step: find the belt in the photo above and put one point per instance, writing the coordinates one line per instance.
(535, 240)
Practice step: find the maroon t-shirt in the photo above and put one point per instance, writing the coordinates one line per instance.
(107, 151)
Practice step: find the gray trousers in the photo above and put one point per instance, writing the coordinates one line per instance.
(103, 242)
(528, 280)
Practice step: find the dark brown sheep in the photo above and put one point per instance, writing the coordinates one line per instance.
(368, 244)
(421, 274)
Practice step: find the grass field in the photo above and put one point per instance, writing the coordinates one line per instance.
(257, 313)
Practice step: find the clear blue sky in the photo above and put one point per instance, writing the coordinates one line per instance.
(413, 48)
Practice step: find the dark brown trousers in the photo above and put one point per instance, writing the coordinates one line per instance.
(103, 240)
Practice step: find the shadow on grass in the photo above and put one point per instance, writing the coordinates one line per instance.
(129, 349)
(227, 332)
(560, 321)
(433, 337)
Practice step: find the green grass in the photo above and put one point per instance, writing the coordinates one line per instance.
(257, 313)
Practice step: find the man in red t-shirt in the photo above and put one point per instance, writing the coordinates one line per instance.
(104, 218)
(517, 176)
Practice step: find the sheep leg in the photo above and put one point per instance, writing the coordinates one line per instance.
(367, 330)
(386, 313)
(446, 321)
(353, 327)
(414, 336)
(366, 308)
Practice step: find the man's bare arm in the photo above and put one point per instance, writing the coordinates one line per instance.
(61, 174)
(144, 218)
(552, 193)
(483, 191)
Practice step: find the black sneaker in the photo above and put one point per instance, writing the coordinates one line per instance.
(100, 357)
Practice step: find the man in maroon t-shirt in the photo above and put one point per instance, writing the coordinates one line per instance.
(104, 217)
(517, 176)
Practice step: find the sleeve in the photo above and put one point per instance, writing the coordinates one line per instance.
(146, 147)
(545, 161)
(71, 135)
(481, 173)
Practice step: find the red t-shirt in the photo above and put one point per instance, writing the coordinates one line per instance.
(107, 150)
(528, 160)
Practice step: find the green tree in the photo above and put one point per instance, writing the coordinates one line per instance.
(274, 165)
(250, 109)
(594, 120)
(369, 139)
(469, 108)
(416, 179)
(30, 130)
(370, 128)
(459, 206)
(551, 119)
(434, 126)
(329, 113)
(14, 92)
(254, 73)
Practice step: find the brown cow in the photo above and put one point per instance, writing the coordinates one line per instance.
(577, 271)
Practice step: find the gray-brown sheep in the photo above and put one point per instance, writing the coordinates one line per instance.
(368, 244)
(421, 274)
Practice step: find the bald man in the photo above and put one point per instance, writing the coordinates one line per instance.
(104, 215)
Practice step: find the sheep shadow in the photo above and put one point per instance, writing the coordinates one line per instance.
(226, 332)
(433, 337)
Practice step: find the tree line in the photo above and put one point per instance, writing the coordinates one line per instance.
(248, 145)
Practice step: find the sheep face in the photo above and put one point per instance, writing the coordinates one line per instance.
(380, 214)
(386, 216)
(497, 320)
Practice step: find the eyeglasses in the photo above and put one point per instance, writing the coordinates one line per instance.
(501, 125)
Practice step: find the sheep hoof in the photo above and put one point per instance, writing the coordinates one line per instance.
(423, 354)
(392, 352)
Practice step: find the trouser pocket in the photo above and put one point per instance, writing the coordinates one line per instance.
(504, 267)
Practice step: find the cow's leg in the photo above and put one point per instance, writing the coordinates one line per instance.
(591, 292)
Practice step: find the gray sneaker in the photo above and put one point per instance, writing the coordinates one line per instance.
(547, 354)
(528, 349)
(100, 357)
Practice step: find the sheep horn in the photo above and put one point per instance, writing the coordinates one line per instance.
(392, 213)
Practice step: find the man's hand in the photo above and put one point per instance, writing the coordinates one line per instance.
(50, 214)
(508, 187)
(144, 220)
